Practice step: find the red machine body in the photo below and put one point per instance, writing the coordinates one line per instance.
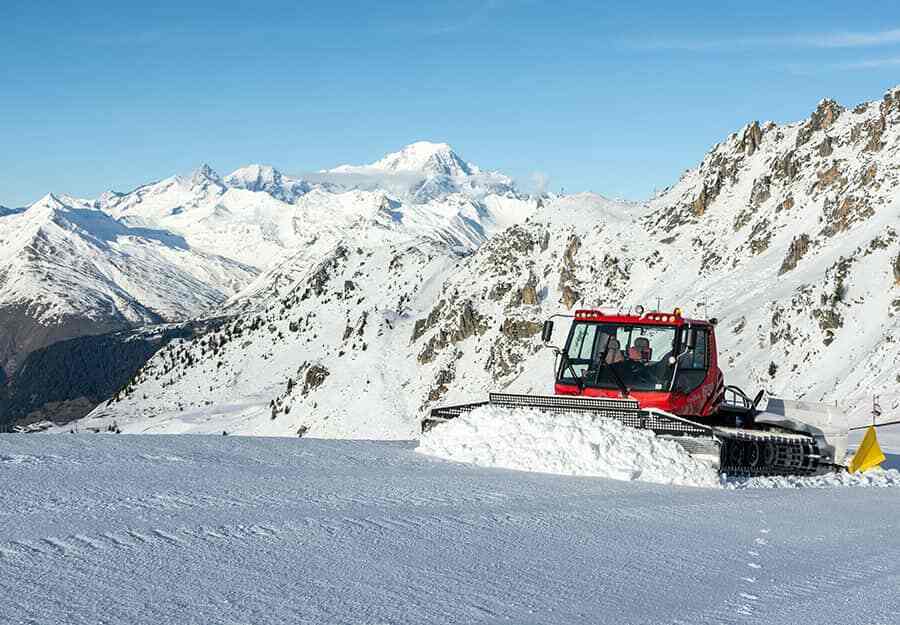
(697, 392)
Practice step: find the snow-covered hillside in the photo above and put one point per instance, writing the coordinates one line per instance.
(68, 269)
(788, 234)
(329, 355)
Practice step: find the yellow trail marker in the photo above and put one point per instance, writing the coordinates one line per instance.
(869, 454)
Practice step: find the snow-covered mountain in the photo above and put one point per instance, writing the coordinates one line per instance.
(267, 178)
(279, 224)
(248, 221)
(68, 269)
(422, 172)
(259, 216)
(423, 157)
(786, 233)
(178, 248)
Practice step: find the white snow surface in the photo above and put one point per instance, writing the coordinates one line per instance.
(576, 444)
(419, 157)
(218, 530)
(874, 478)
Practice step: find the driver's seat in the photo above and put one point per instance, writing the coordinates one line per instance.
(614, 352)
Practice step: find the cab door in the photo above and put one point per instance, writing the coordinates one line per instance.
(699, 381)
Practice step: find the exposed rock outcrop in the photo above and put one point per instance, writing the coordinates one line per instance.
(315, 377)
(568, 283)
(825, 115)
(468, 322)
(761, 190)
(751, 138)
(797, 250)
(520, 328)
(841, 213)
(528, 295)
(786, 167)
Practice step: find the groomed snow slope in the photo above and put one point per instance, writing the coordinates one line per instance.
(226, 531)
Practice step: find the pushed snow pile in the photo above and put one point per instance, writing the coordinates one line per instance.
(875, 478)
(573, 444)
(566, 444)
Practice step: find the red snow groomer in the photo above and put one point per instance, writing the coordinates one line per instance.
(659, 371)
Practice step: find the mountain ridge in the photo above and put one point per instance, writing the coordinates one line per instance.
(180, 247)
(796, 312)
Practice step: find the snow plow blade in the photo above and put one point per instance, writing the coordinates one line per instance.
(733, 451)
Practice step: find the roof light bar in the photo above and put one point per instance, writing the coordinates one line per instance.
(599, 315)
(588, 314)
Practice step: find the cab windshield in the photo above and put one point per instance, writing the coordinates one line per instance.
(639, 354)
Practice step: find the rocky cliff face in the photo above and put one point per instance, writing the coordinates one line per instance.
(788, 234)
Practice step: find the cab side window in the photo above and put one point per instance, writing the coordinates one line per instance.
(693, 365)
(699, 357)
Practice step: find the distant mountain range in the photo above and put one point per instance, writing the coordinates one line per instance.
(351, 301)
(191, 246)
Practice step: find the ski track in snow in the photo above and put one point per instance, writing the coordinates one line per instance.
(188, 529)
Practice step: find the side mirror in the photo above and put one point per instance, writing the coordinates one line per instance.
(547, 332)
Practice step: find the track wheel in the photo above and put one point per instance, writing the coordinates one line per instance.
(769, 454)
(752, 453)
(735, 453)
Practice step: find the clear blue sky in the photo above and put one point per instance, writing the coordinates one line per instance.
(615, 99)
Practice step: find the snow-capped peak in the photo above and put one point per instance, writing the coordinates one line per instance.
(48, 201)
(204, 175)
(421, 157)
(254, 177)
(424, 156)
(267, 179)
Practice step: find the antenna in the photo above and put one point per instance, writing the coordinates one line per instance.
(658, 303)
(876, 408)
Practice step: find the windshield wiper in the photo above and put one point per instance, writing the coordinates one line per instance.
(619, 381)
(623, 388)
